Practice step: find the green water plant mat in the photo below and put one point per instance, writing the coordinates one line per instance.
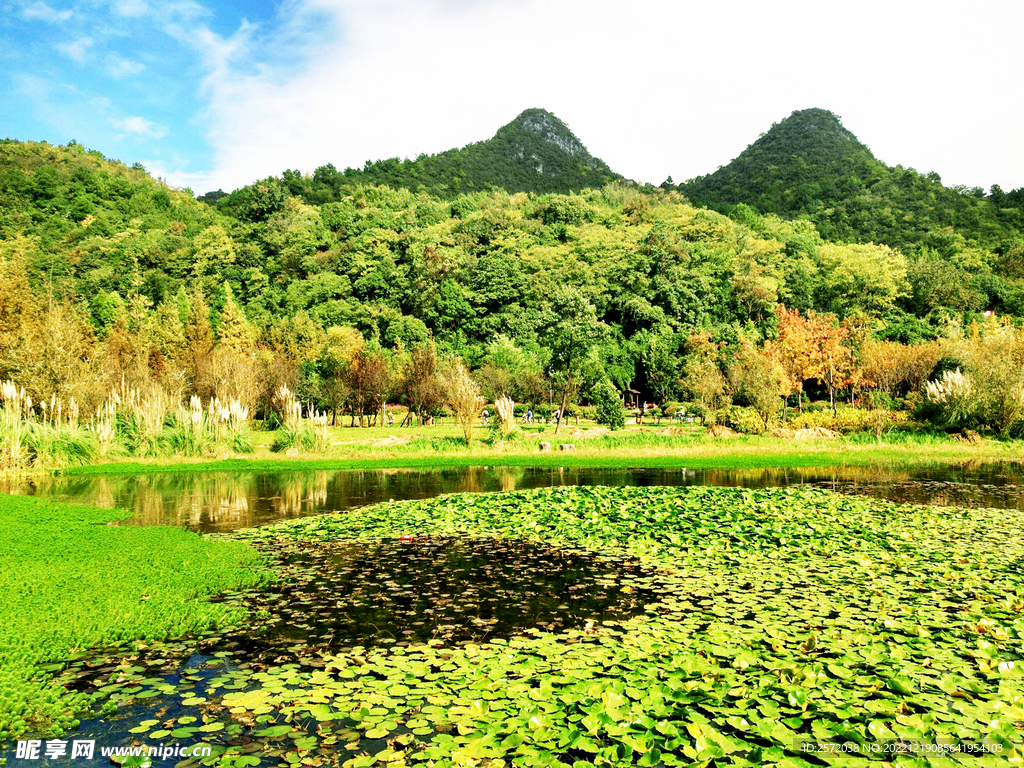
(69, 582)
(791, 627)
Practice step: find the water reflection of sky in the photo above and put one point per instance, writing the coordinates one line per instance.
(224, 501)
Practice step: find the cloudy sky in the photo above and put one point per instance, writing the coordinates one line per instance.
(217, 93)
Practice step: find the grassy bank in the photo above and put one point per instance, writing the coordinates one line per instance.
(70, 583)
(631, 448)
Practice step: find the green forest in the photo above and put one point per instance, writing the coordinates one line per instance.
(804, 268)
(810, 166)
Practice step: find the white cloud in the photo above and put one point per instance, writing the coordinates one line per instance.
(41, 11)
(140, 126)
(76, 49)
(180, 12)
(216, 51)
(177, 174)
(130, 8)
(119, 67)
(656, 88)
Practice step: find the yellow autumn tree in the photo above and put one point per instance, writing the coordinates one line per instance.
(235, 367)
(463, 396)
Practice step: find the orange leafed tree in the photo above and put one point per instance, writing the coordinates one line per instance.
(798, 348)
(811, 346)
(836, 358)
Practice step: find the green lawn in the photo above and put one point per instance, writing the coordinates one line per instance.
(628, 448)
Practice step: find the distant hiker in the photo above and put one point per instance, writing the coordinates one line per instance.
(529, 416)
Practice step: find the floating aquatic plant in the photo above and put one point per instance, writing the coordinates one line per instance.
(784, 618)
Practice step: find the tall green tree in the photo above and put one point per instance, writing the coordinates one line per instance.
(572, 334)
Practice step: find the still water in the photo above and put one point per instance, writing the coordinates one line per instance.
(225, 501)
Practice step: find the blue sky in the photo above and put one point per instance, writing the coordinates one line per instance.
(129, 77)
(217, 93)
(110, 76)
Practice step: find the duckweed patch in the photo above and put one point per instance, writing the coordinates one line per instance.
(70, 582)
(785, 617)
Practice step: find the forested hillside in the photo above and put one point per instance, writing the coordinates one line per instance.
(536, 152)
(109, 275)
(810, 166)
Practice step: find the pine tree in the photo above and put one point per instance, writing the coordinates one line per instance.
(234, 331)
(199, 348)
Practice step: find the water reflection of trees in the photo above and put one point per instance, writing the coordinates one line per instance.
(215, 501)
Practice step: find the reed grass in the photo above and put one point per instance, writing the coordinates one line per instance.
(17, 405)
(295, 434)
(149, 424)
(154, 425)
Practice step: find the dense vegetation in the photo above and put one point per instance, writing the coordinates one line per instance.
(781, 618)
(119, 291)
(536, 152)
(71, 584)
(136, 319)
(810, 166)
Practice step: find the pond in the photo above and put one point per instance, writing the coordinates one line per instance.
(420, 589)
(399, 628)
(221, 502)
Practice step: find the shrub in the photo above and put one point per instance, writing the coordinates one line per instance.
(59, 446)
(994, 363)
(608, 406)
(697, 410)
(671, 408)
(498, 436)
(746, 420)
(848, 419)
(241, 442)
(187, 435)
(298, 436)
(878, 399)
